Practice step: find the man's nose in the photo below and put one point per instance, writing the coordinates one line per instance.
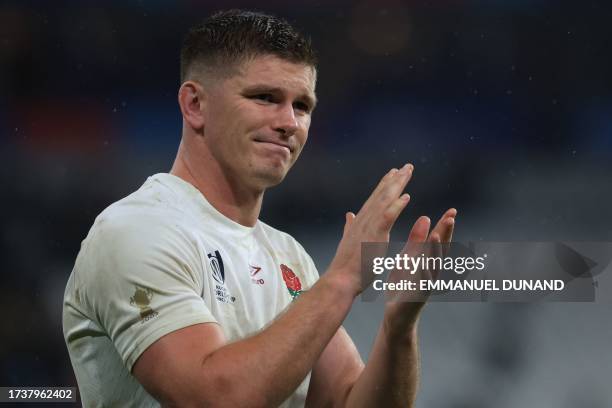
(286, 122)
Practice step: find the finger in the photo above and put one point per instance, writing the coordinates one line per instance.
(446, 225)
(420, 230)
(381, 184)
(349, 218)
(418, 238)
(433, 237)
(384, 181)
(418, 234)
(393, 189)
(393, 211)
(451, 212)
(390, 187)
(436, 251)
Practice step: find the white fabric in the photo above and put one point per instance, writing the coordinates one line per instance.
(151, 264)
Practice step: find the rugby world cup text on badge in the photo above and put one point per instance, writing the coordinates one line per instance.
(413, 263)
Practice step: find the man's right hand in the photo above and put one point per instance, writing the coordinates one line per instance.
(372, 223)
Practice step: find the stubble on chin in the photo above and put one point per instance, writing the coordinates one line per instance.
(269, 177)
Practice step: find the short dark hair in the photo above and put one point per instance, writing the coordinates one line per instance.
(234, 36)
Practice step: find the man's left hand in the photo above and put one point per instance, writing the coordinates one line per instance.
(401, 315)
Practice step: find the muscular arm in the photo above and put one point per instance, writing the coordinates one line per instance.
(195, 366)
(339, 378)
(391, 377)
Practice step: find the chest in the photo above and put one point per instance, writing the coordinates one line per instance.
(247, 284)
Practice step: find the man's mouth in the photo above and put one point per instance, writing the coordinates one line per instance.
(275, 144)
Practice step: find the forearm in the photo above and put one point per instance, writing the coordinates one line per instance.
(390, 377)
(265, 369)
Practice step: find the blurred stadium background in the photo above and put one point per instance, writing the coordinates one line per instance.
(505, 108)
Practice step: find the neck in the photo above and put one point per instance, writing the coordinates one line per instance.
(237, 202)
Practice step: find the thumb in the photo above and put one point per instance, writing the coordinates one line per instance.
(349, 220)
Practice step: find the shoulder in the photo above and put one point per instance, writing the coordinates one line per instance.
(143, 227)
(281, 239)
(142, 239)
(148, 212)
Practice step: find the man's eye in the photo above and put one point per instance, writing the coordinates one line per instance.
(302, 106)
(263, 97)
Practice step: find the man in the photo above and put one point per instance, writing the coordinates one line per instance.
(181, 296)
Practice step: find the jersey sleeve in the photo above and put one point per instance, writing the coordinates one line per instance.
(141, 279)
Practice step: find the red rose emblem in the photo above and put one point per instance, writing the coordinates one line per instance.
(293, 282)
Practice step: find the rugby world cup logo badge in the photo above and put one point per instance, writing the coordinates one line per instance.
(142, 300)
(218, 273)
(216, 263)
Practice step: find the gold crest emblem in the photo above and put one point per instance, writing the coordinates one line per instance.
(142, 299)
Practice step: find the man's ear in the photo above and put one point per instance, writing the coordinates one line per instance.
(191, 99)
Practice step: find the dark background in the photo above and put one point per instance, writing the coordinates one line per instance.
(503, 106)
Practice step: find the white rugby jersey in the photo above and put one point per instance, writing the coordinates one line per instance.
(161, 259)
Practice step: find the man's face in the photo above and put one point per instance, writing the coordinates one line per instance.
(256, 121)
